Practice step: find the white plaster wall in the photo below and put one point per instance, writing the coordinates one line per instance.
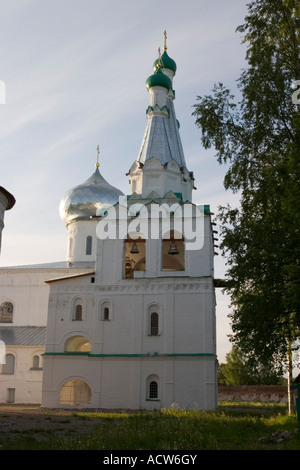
(186, 316)
(28, 293)
(161, 179)
(121, 383)
(78, 231)
(27, 383)
(187, 323)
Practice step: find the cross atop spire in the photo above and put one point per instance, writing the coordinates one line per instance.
(98, 152)
(159, 63)
(165, 44)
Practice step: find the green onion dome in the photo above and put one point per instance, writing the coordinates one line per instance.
(167, 62)
(159, 79)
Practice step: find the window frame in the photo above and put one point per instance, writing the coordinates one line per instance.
(77, 313)
(9, 315)
(153, 388)
(105, 310)
(89, 245)
(154, 324)
(9, 369)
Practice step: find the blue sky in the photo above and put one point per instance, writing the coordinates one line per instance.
(75, 73)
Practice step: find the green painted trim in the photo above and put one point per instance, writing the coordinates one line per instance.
(127, 355)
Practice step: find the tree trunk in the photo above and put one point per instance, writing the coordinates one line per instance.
(290, 381)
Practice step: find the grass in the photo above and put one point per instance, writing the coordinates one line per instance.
(234, 426)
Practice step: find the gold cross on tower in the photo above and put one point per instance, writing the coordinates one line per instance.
(165, 45)
(159, 63)
(98, 152)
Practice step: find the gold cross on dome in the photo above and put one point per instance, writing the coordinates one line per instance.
(165, 45)
(98, 152)
(160, 64)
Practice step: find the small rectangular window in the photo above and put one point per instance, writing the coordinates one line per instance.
(88, 250)
(6, 312)
(10, 395)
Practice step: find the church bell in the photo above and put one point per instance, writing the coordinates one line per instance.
(134, 248)
(173, 249)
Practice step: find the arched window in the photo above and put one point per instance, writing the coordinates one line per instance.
(153, 389)
(173, 252)
(106, 313)
(105, 310)
(77, 314)
(9, 366)
(78, 344)
(135, 256)
(154, 324)
(36, 363)
(6, 312)
(88, 248)
(154, 314)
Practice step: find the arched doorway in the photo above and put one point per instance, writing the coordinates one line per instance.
(75, 393)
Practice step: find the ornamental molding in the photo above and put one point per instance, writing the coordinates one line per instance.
(155, 287)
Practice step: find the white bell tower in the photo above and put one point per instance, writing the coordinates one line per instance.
(142, 334)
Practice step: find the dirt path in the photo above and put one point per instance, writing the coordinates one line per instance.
(22, 418)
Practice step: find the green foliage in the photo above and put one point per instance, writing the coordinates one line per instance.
(260, 138)
(239, 371)
(235, 426)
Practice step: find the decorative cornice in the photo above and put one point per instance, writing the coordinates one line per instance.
(148, 355)
(150, 285)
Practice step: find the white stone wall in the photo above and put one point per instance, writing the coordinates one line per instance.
(182, 356)
(121, 383)
(78, 231)
(28, 293)
(26, 381)
(155, 177)
(27, 290)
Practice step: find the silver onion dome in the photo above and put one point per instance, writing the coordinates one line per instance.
(86, 199)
